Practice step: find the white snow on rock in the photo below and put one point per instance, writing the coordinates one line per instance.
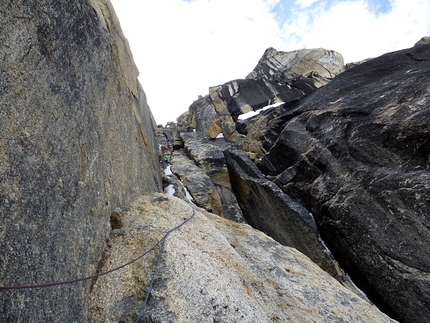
(253, 113)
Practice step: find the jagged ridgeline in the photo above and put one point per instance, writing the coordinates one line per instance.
(329, 174)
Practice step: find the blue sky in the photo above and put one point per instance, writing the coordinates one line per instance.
(182, 47)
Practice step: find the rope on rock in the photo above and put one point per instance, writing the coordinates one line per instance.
(158, 264)
(162, 241)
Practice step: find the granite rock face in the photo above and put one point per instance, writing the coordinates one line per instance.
(76, 142)
(215, 270)
(357, 155)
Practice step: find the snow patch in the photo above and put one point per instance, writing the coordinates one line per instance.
(170, 190)
(187, 194)
(254, 113)
(167, 171)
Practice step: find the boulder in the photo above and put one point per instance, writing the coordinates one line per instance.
(356, 153)
(214, 270)
(76, 143)
(166, 136)
(161, 137)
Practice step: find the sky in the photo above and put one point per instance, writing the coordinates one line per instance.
(183, 47)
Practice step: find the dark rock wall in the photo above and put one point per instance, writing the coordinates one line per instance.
(357, 154)
(76, 142)
(267, 208)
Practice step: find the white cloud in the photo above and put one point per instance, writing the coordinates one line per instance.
(184, 47)
(305, 3)
(357, 32)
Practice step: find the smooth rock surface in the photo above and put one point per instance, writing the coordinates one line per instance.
(215, 270)
(76, 142)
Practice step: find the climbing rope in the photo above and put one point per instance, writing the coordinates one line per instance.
(162, 241)
(158, 264)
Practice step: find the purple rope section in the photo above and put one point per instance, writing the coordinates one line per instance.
(77, 280)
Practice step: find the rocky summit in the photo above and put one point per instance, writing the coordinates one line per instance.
(299, 193)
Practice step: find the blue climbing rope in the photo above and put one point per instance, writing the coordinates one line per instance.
(142, 310)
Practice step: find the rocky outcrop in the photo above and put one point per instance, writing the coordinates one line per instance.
(76, 143)
(197, 182)
(284, 67)
(214, 270)
(260, 132)
(278, 77)
(295, 75)
(202, 168)
(356, 154)
(423, 41)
